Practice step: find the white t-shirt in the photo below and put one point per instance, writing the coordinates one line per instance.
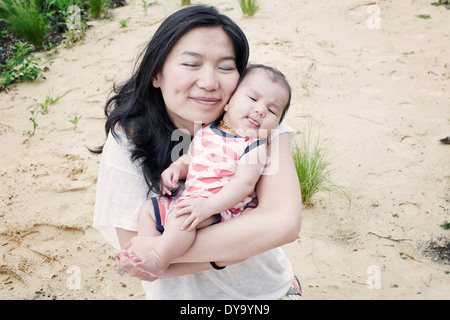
(121, 191)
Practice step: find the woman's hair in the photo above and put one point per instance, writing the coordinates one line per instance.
(139, 107)
(273, 73)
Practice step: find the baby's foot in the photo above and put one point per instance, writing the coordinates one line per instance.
(148, 262)
(132, 256)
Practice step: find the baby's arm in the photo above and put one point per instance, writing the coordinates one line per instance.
(248, 171)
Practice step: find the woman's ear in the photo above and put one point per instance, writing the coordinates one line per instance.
(155, 81)
(226, 107)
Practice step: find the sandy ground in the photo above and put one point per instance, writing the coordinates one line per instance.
(371, 77)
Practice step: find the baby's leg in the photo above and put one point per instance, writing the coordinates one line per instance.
(172, 244)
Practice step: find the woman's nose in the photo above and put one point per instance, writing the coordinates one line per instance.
(208, 79)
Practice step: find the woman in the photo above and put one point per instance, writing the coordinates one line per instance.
(188, 72)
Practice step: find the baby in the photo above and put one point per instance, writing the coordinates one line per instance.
(221, 168)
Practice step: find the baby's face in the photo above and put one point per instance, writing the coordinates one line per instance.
(256, 106)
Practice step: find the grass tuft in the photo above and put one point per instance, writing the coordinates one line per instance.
(313, 169)
(248, 7)
(24, 19)
(96, 8)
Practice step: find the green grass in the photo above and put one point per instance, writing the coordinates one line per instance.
(24, 20)
(445, 225)
(124, 22)
(312, 166)
(96, 8)
(424, 16)
(248, 7)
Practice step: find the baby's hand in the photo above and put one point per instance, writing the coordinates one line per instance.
(169, 179)
(198, 209)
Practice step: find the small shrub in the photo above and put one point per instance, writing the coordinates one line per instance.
(21, 66)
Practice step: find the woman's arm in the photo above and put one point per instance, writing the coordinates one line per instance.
(130, 240)
(124, 236)
(275, 222)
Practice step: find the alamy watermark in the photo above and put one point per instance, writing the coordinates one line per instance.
(270, 160)
(374, 279)
(73, 20)
(374, 20)
(73, 282)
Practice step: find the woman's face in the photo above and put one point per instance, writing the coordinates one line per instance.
(198, 77)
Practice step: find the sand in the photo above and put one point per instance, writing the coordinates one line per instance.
(371, 77)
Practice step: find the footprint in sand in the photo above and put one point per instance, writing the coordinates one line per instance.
(4, 129)
(34, 253)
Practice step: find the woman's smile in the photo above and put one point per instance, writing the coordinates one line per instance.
(209, 101)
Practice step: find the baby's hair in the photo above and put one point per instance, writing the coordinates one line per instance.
(275, 74)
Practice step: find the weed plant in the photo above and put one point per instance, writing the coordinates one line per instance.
(248, 7)
(185, 2)
(146, 4)
(40, 108)
(32, 118)
(75, 121)
(21, 67)
(124, 22)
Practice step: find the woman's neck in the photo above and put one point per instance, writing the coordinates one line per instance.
(184, 125)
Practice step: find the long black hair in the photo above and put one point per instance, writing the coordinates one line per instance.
(139, 107)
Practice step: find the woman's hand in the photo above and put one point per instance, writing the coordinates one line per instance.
(136, 244)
